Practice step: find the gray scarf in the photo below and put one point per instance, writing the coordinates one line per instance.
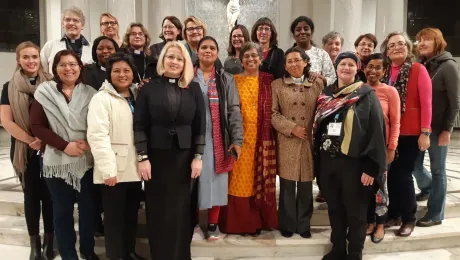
(69, 122)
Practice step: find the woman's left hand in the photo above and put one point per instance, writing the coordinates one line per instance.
(82, 144)
(111, 181)
(367, 180)
(423, 142)
(237, 151)
(444, 138)
(197, 165)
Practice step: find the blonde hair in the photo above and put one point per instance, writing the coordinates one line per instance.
(187, 73)
(144, 31)
(111, 16)
(22, 46)
(77, 11)
(195, 20)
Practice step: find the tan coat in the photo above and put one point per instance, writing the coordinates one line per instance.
(294, 105)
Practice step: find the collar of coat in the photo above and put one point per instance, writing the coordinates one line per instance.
(289, 81)
(82, 38)
(108, 87)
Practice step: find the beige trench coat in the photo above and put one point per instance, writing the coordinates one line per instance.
(294, 105)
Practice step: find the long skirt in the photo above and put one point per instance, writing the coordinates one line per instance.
(167, 199)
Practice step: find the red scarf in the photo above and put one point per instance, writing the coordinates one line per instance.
(265, 155)
(222, 163)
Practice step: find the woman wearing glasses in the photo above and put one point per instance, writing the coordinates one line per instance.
(194, 31)
(171, 31)
(73, 21)
(365, 46)
(110, 28)
(264, 33)
(413, 84)
(137, 40)
(239, 35)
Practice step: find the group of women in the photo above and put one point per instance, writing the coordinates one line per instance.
(208, 144)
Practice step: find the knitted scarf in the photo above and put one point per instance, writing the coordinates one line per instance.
(401, 82)
(20, 95)
(265, 153)
(222, 162)
(69, 122)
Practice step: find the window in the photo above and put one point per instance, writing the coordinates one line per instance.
(19, 21)
(442, 14)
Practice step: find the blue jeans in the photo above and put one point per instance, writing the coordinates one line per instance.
(64, 196)
(435, 183)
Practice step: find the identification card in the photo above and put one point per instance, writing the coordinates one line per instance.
(333, 129)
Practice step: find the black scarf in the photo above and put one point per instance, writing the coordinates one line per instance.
(401, 82)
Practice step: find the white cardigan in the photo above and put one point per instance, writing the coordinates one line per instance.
(111, 137)
(54, 46)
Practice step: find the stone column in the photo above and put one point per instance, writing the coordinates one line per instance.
(369, 15)
(53, 20)
(124, 11)
(391, 16)
(347, 21)
(323, 18)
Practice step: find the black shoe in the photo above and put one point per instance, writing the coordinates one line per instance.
(212, 227)
(134, 256)
(427, 223)
(48, 246)
(306, 234)
(35, 248)
(422, 196)
(335, 255)
(287, 233)
(377, 240)
(93, 256)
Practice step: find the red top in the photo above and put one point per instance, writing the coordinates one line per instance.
(40, 127)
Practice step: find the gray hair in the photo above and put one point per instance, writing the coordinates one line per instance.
(77, 11)
(249, 46)
(331, 36)
(409, 44)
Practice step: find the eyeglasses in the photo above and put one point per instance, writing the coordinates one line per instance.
(69, 20)
(262, 29)
(252, 55)
(169, 27)
(134, 34)
(369, 45)
(174, 57)
(72, 65)
(111, 23)
(292, 62)
(372, 67)
(239, 36)
(400, 44)
(192, 29)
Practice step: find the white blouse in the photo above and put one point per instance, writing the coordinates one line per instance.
(321, 63)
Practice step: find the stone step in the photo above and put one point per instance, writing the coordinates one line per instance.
(13, 231)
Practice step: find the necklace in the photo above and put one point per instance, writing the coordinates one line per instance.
(68, 93)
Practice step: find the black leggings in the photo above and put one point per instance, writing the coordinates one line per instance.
(36, 197)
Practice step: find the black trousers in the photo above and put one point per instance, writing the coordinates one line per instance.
(121, 205)
(347, 199)
(36, 197)
(401, 189)
(294, 212)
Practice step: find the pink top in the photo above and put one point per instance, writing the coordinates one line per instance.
(391, 106)
(424, 92)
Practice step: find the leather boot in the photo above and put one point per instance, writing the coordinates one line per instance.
(48, 246)
(35, 248)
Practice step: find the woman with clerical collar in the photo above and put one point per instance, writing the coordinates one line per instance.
(95, 74)
(73, 21)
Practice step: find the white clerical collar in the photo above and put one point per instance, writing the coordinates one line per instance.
(298, 81)
(103, 68)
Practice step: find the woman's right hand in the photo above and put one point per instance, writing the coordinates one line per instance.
(299, 132)
(36, 144)
(72, 149)
(144, 170)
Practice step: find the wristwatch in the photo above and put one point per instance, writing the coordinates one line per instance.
(197, 156)
(426, 133)
(141, 157)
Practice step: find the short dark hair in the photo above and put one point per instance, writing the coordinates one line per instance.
(265, 21)
(116, 57)
(231, 50)
(205, 38)
(304, 57)
(57, 59)
(96, 44)
(379, 56)
(249, 46)
(369, 36)
(174, 20)
(303, 19)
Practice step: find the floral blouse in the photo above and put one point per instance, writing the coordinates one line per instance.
(321, 63)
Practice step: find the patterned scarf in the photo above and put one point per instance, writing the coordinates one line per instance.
(222, 163)
(265, 154)
(401, 82)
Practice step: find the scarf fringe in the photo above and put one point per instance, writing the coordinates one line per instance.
(66, 172)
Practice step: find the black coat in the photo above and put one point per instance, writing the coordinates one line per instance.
(94, 76)
(274, 63)
(154, 127)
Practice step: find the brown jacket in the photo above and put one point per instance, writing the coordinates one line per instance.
(294, 105)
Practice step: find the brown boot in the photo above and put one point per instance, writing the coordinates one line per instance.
(405, 230)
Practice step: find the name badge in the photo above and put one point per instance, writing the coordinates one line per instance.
(333, 129)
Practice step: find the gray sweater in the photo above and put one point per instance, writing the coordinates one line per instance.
(445, 76)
